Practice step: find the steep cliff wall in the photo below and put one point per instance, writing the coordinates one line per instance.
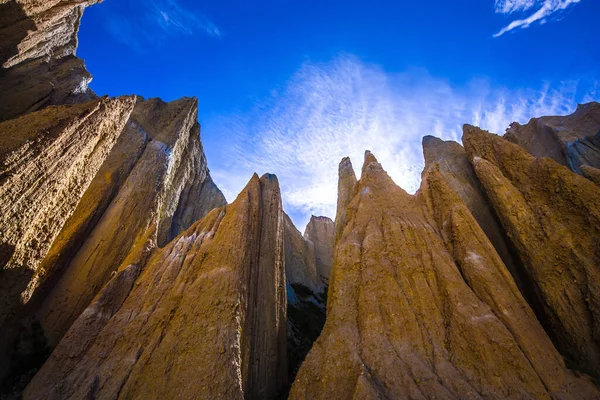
(553, 219)
(206, 316)
(421, 305)
(47, 160)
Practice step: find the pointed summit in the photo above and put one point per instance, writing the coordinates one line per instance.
(346, 190)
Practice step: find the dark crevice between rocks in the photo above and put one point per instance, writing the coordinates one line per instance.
(305, 320)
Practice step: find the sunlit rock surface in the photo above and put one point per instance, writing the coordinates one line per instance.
(205, 318)
(553, 219)
(47, 160)
(421, 305)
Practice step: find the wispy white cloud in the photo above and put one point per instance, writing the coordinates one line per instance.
(172, 17)
(547, 9)
(157, 22)
(331, 110)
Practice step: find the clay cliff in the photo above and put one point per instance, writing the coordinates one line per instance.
(124, 273)
(421, 306)
(206, 316)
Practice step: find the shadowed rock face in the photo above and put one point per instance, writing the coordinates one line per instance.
(206, 316)
(307, 260)
(453, 163)
(39, 67)
(320, 232)
(570, 140)
(553, 219)
(47, 160)
(421, 305)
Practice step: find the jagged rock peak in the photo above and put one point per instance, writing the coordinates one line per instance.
(418, 270)
(453, 163)
(230, 325)
(346, 188)
(320, 231)
(553, 220)
(370, 162)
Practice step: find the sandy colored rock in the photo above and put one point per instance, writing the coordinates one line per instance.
(593, 174)
(421, 306)
(300, 260)
(48, 159)
(205, 319)
(454, 164)
(569, 140)
(38, 66)
(40, 29)
(552, 217)
(164, 160)
(321, 233)
(346, 191)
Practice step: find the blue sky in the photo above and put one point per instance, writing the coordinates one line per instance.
(291, 87)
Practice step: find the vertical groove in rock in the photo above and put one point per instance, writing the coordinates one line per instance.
(454, 164)
(213, 298)
(552, 217)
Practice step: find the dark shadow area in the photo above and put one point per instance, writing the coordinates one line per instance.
(14, 26)
(305, 321)
(27, 354)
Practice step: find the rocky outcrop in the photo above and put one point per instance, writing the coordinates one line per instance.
(421, 306)
(346, 191)
(206, 316)
(570, 140)
(552, 217)
(320, 232)
(300, 260)
(37, 56)
(47, 160)
(153, 181)
(451, 160)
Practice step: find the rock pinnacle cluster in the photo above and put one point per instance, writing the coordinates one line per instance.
(124, 273)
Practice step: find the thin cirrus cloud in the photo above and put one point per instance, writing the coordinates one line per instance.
(158, 21)
(341, 108)
(545, 9)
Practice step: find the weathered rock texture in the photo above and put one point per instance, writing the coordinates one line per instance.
(308, 258)
(37, 56)
(156, 179)
(307, 267)
(553, 219)
(320, 232)
(205, 318)
(571, 140)
(452, 161)
(47, 160)
(421, 306)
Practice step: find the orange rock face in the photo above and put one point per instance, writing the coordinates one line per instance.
(421, 305)
(206, 316)
(552, 217)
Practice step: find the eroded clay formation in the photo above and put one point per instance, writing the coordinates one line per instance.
(124, 273)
